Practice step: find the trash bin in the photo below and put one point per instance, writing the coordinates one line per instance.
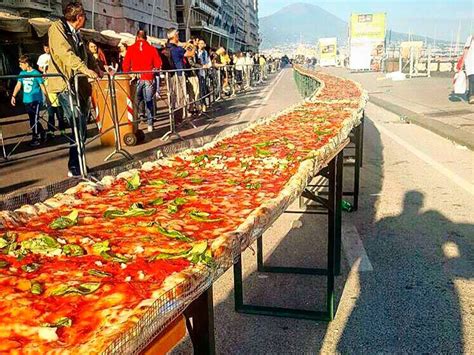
(102, 104)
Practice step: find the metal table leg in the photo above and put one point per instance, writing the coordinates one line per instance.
(334, 174)
(200, 323)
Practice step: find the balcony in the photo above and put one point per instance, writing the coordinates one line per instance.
(205, 8)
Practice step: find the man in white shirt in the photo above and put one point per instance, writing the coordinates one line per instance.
(469, 64)
(43, 59)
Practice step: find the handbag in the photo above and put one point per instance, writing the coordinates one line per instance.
(460, 82)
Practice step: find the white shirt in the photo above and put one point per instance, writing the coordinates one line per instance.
(240, 63)
(469, 58)
(43, 61)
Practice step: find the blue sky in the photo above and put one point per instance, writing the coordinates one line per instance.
(423, 17)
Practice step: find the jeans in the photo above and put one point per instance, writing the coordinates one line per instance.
(202, 88)
(52, 110)
(146, 92)
(33, 111)
(81, 116)
(470, 93)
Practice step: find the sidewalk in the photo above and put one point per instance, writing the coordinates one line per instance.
(427, 102)
(47, 164)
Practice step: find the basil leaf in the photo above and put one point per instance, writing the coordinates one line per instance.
(173, 234)
(4, 264)
(43, 244)
(168, 256)
(32, 267)
(82, 289)
(203, 217)
(159, 182)
(182, 174)
(99, 273)
(320, 132)
(110, 256)
(200, 158)
(65, 221)
(61, 322)
(159, 201)
(263, 153)
(263, 144)
(73, 250)
(101, 247)
(134, 182)
(190, 192)
(254, 186)
(3, 243)
(232, 182)
(173, 209)
(136, 210)
(196, 180)
(36, 288)
(199, 247)
(179, 201)
(113, 213)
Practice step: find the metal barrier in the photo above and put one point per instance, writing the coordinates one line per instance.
(73, 123)
(220, 83)
(306, 85)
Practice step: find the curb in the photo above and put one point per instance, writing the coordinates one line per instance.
(442, 129)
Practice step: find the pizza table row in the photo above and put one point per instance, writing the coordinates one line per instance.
(190, 302)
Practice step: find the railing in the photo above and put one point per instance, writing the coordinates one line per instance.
(306, 84)
(182, 104)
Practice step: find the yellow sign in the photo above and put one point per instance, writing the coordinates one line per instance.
(368, 26)
(327, 51)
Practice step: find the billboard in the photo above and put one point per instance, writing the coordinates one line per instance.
(367, 41)
(327, 50)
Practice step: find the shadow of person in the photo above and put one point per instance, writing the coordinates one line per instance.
(410, 302)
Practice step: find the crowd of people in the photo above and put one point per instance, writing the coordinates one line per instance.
(189, 71)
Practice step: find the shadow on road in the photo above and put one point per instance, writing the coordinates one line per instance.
(408, 304)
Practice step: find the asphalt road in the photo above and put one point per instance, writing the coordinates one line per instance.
(409, 288)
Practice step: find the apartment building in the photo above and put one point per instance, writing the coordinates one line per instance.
(232, 24)
(156, 16)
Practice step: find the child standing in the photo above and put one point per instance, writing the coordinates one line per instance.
(33, 90)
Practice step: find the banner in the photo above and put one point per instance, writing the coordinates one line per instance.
(327, 48)
(367, 41)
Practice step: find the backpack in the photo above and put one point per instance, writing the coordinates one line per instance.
(166, 59)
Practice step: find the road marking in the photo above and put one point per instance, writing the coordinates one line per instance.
(354, 249)
(462, 183)
(263, 101)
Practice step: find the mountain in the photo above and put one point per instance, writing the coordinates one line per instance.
(300, 22)
(307, 23)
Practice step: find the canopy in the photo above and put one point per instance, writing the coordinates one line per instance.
(12, 23)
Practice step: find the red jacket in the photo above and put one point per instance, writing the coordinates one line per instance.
(141, 56)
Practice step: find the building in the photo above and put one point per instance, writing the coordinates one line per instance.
(155, 16)
(232, 24)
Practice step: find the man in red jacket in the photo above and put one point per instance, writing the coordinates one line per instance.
(142, 56)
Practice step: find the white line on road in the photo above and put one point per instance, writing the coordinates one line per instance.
(263, 102)
(354, 249)
(462, 183)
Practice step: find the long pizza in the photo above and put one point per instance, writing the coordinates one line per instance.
(82, 268)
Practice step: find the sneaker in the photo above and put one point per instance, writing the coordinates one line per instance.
(62, 132)
(34, 143)
(74, 172)
(150, 128)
